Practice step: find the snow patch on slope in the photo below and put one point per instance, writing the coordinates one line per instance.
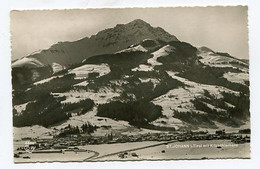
(164, 51)
(20, 108)
(168, 122)
(153, 80)
(176, 99)
(133, 49)
(84, 83)
(57, 67)
(214, 108)
(213, 89)
(92, 117)
(104, 95)
(47, 80)
(144, 68)
(237, 77)
(119, 82)
(83, 71)
(208, 57)
(27, 62)
(44, 80)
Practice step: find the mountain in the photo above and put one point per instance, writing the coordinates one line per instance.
(157, 83)
(104, 42)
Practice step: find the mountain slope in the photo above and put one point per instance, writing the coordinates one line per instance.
(166, 88)
(155, 83)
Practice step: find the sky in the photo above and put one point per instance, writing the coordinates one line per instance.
(223, 29)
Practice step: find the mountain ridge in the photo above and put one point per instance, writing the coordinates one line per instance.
(106, 41)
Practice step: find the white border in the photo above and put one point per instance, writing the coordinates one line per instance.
(6, 153)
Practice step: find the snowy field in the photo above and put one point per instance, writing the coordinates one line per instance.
(180, 99)
(104, 149)
(188, 150)
(67, 156)
(228, 129)
(35, 131)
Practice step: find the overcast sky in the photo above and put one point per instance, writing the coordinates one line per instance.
(222, 29)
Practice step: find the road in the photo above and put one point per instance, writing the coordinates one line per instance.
(96, 157)
(96, 154)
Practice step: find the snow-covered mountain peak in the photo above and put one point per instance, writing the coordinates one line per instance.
(107, 41)
(138, 29)
(138, 22)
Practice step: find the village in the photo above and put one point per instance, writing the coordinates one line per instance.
(72, 142)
